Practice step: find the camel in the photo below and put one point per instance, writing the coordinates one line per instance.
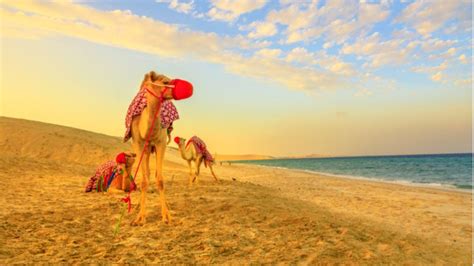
(140, 127)
(113, 176)
(123, 182)
(190, 154)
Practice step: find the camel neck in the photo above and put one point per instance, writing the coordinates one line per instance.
(182, 149)
(153, 106)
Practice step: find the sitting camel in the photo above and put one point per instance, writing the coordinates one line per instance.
(196, 153)
(113, 176)
(157, 91)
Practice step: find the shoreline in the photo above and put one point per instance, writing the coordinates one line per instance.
(436, 186)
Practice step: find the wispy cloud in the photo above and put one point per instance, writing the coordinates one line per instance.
(125, 29)
(181, 7)
(379, 52)
(336, 22)
(229, 10)
(303, 45)
(260, 29)
(427, 17)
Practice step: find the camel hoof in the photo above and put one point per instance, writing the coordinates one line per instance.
(140, 220)
(166, 216)
(166, 219)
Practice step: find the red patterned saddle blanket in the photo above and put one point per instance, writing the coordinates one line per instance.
(168, 113)
(201, 148)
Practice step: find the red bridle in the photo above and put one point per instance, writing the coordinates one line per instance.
(162, 92)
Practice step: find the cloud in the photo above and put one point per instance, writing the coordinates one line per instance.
(379, 52)
(301, 55)
(463, 59)
(124, 29)
(321, 59)
(261, 29)
(437, 77)
(335, 22)
(181, 7)
(328, 45)
(435, 44)
(271, 53)
(467, 83)
(229, 10)
(435, 72)
(431, 70)
(449, 54)
(277, 70)
(427, 17)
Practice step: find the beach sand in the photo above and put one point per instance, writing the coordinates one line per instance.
(265, 216)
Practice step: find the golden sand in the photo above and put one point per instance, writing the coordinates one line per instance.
(265, 216)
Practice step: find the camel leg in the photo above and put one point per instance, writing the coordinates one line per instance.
(141, 217)
(160, 154)
(212, 172)
(124, 181)
(198, 169)
(112, 190)
(137, 148)
(191, 174)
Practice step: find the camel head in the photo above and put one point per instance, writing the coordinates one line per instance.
(158, 84)
(130, 159)
(125, 159)
(179, 141)
(162, 86)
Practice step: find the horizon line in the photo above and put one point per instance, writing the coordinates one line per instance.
(273, 157)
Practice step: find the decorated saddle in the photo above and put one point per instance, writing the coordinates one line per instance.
(201, 148)
(168, 113)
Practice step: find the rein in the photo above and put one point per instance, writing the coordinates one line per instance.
(127, 199)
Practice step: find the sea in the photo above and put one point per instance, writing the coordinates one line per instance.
(444, 170)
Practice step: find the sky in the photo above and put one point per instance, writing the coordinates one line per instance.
(280, 78)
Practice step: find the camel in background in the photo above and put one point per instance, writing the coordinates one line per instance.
(195, 151)
(156, 84)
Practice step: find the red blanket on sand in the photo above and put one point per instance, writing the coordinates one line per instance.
(201, 149)
(168, 112)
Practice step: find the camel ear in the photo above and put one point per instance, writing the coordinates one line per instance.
(153, 75)
(145, 79)
(130, 154)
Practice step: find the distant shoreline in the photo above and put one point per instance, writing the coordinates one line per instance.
(388, 180)
(356, 156)
(437, 186)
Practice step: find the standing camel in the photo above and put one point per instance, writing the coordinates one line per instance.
(156, 90)
(197, 153)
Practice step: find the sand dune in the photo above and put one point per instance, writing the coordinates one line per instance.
(266, 216)
(24, 138)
